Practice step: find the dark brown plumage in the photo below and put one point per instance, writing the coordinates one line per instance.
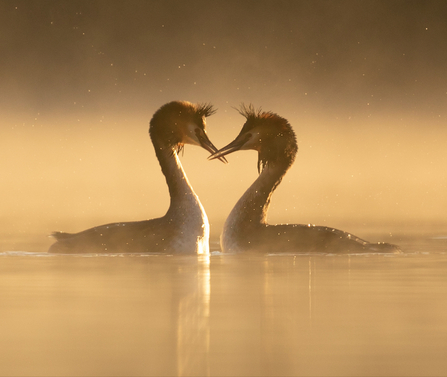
(184, 228)
(246, 227)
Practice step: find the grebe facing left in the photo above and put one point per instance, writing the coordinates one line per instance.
(184, 228)
(246, 227)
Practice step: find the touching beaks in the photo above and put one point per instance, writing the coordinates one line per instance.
(206, 143)
(235, 145)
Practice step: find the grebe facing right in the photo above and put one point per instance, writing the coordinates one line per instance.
(184, 229)
(246, 228)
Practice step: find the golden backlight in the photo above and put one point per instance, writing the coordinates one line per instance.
(65, 174)
(364, 86)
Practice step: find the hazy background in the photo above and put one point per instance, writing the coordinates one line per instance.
(363, 83)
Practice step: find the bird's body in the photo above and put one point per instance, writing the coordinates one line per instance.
(184, 228)
(246, 227)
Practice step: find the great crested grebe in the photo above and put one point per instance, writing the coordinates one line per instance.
(246, 227)
(184, 228)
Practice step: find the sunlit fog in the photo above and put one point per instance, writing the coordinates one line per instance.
(111, 265)
(362, 84)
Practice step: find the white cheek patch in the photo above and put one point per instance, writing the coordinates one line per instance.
(190, 135)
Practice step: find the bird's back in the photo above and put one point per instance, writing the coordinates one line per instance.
(154, 236)
(297, 238)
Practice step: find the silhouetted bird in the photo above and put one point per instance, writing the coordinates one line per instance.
(246, 228)
(184, 228)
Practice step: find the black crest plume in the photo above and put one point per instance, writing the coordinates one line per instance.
(205, 109)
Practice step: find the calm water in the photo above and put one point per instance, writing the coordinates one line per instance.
(225, 314)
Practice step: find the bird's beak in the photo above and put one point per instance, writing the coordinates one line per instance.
(206, 143)
(235, 145)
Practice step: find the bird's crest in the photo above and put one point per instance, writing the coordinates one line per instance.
(249, 112)
(205, 109)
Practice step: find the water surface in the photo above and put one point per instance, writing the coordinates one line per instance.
(306, 315)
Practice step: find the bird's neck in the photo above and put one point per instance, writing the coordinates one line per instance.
(252, 207)
(181, 193)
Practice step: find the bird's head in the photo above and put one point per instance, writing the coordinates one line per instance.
(180, 122)
(266, 132)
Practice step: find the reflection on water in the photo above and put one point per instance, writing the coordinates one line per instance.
(225, 314)
(193, 330)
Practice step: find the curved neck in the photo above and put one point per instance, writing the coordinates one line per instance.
(252, 207)
(180, 189)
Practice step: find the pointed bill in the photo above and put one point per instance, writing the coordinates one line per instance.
(206, 143)
(236, 145)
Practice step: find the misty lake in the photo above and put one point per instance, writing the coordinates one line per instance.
(222, 314)
(353, 94)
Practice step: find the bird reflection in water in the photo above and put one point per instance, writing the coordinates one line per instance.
(246, 227)
(193, 320)
(184, 229)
